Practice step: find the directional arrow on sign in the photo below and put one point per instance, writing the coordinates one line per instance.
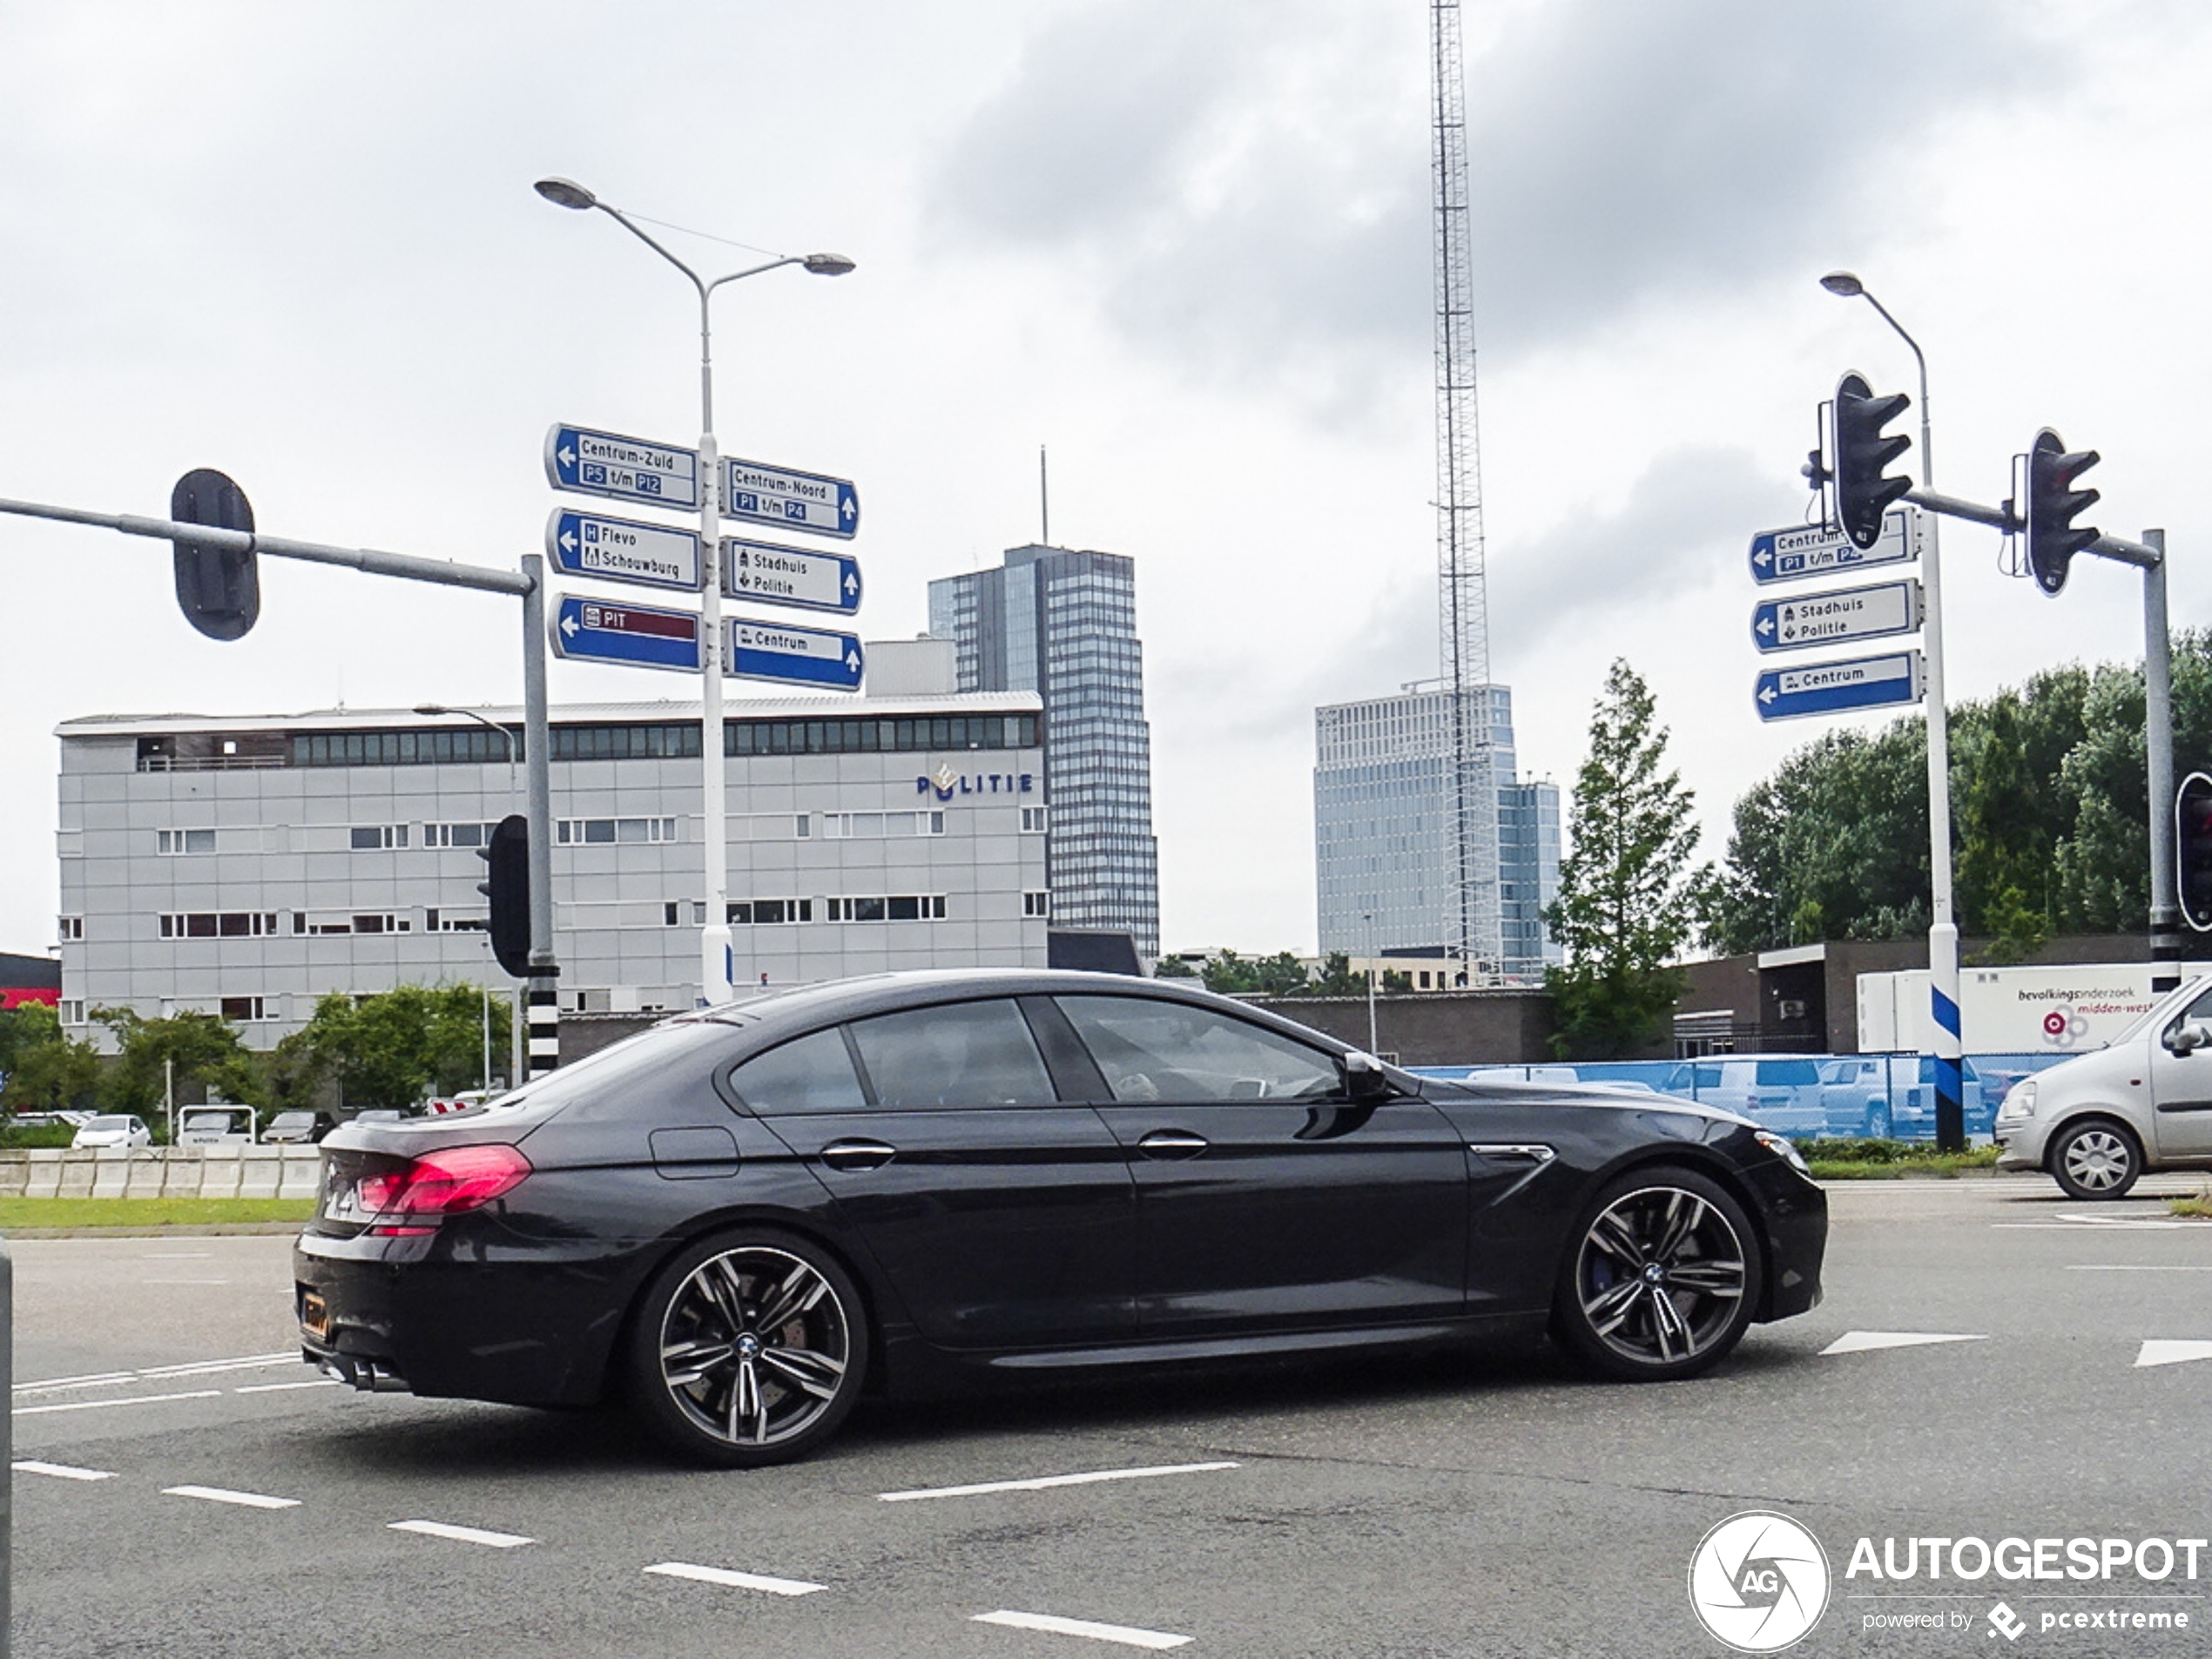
(1836, 618)
(639, 636)
(607, 463)
(1803, 550)
(775, 650)
(790, 499)
(1838, 687)
(623, 550)
(764, 573)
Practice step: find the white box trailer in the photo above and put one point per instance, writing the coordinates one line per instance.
(2068, 1009)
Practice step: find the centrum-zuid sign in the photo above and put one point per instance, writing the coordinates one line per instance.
(1806, 551)
(607, 463)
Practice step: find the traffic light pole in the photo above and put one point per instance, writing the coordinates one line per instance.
(2147, 556)
(527, 584)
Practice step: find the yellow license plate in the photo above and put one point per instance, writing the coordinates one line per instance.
(314, 1316)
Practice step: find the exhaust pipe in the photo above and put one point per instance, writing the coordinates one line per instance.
(364, 1375)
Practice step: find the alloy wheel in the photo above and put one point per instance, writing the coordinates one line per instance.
(2099, 1161)
(1660, 1277)
(755, 1347)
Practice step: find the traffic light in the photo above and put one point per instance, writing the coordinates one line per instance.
(2053, 505)
(510, 893)
(219, 587)
(1863, 455)
(2193, 850)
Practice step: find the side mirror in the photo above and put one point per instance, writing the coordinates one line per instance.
(1365, 1078)
(2188, 1039)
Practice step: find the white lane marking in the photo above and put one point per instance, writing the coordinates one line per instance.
(736, 1581)
(61, 1471)
(2123, 1223)
(190, 1368)
(220, 1494)
(1867, 1341)
(2172, 1353)
(184, 1281)
(1128, 1635)
(462, 1535)
(175, 1255)
(1042, 1482)
(278, 1388)
(101, 1404)
(2136, 1267)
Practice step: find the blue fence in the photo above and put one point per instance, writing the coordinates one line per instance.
(1799, 1094)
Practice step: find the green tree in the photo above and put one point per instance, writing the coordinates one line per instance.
(1281, 974)
(1173, 967)
(1336, 979)
(399, 1046)
(1628, 890)
(192, 1046)
(45, 1070)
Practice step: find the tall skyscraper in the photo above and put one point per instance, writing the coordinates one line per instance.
(1387, 846)
(1062, 622)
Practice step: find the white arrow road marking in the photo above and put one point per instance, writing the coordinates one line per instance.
(1039, 1483)
(61, 1471)
(736, 1581)
(1866, 1341)
(462, 1535)
(218, 1495)
(2172, 1353)
(1128, 1635)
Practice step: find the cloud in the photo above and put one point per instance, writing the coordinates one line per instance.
(1251, 191)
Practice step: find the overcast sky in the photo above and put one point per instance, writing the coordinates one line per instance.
(1185, 243)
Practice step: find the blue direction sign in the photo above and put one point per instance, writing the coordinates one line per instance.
(606, 463)
(1838, 688)
(640, 635)
(796, 500)
(788, 576)
(774, 650)
(1834, 617)
(1807, 549)
(623, 550)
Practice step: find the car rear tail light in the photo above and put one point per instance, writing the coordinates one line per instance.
(404, 1202)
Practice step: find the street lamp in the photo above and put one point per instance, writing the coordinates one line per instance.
(515, 1029)
(1373, 1047)
(716, 963)
(1945, 1047)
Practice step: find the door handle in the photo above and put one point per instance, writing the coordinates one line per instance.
(858, 1155)
(1171, 1143)
(1514, 1152)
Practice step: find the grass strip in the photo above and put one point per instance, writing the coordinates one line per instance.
(149, 1212)
(1867, 1160)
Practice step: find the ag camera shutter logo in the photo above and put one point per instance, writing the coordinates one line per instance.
(1758, 1581)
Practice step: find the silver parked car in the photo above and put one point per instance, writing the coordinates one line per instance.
(1780, 1092)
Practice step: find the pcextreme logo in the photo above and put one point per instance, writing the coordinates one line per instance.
(1758, 1581)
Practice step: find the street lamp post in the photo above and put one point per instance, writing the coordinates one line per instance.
(716, 963)
(515, 1026)
(1373, 1047)
(1944, 1049)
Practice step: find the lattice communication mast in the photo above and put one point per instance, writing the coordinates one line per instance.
(1473, 923)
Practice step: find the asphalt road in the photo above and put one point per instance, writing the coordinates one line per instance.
(1476, 1507)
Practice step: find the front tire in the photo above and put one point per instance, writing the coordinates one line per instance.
(749, 1348)
(2097, 1159)
(1662, 1278)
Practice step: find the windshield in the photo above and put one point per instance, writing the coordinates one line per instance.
(108, 1122)
(2179, 999)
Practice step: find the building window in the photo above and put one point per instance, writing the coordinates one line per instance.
(873, 827)
(1033, 820)
(172, 842)
(373, 837)
(332, 922)
(72, 1010)
(1036, 904)
(219, 924)
(446, 922)
(668, 914)
(455, 834)
(895, 907)
(247, 1008)
(610, 831)
(770, 913)
(71, 928)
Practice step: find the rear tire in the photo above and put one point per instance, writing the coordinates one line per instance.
(2097, 1158)
(1878, 1120)
(1662, 1279)
(749, 1348)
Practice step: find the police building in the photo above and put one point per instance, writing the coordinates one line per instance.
(244, 868)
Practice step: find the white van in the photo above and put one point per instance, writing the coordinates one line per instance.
(215, 1126)
(2097, 1121)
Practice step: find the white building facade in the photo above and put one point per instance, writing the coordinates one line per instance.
(244, 868)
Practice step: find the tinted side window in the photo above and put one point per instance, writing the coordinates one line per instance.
(1787, 1074)
(961, 1054)
(812, 1073)
(1161, 1050)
